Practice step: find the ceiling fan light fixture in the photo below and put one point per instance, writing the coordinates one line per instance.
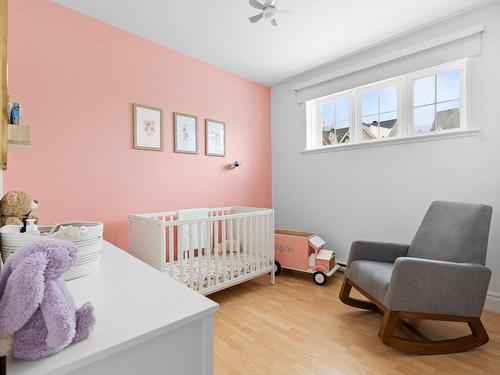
(269, 12)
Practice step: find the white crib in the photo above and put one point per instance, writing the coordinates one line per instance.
(227, 247)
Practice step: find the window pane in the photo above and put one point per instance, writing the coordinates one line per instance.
(328, 137)
(343, 135)
(342, 109)
(338, 134)
(370, 127)
(448, 115)
(423, 119)
(387, 124)
(388, 99)
(424, 91)
(369, 103)
(327, 115)
(448, 86)
(342, 124)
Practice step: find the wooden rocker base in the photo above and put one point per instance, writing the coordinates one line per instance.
(415, 342)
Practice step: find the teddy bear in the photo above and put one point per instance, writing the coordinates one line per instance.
(16, 207)
(38, 316)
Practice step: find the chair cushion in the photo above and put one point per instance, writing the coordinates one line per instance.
(453, 232)
(372, 277)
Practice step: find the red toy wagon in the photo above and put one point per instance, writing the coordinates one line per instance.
(303, 251)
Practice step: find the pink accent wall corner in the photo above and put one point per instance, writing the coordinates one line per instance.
(77, 79)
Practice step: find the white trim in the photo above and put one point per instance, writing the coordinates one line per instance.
(492, 302)
(439, 41)
(458, 133)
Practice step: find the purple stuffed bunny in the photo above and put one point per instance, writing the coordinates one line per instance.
(36, 310)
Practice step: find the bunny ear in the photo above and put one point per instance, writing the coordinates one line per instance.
(23, 292)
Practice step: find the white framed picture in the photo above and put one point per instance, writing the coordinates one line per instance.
(215, 138)
(148, 128)
(185, 133)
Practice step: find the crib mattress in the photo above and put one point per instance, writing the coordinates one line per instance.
(240, 265)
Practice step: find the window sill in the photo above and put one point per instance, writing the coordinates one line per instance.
(395, 141)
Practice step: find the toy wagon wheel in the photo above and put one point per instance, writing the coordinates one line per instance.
(277, 268)
(320, 278)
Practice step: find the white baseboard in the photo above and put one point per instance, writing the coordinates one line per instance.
(492, 302)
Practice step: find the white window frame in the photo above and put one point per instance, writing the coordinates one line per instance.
(332, 98)
(398, 82)
(405, 132)
(435, 70)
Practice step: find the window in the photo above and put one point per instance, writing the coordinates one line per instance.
(379, 112)
(335, 117)
(423, 102)
(436, 102)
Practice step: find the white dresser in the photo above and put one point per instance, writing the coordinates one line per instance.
(146, 323)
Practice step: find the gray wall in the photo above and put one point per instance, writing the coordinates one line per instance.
(381, 193)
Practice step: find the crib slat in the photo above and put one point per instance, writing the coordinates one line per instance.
(171, 257)
(268, 237)
(252, 241)
(271, 245)
(262, 241)
(216, 251)
(163, 240)
(200, 255)
(238, 247)
(268, 253)
(244, 244)
(180, 251)
(208, 252)
(231, 248)
(190, 255)
(259, 240)
(223, 242)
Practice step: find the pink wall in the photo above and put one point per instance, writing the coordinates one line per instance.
(77, 79)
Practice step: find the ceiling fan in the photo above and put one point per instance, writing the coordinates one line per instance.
(268, 11)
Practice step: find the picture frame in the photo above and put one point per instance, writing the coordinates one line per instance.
(185, 133)
(215, 138)
(147, 128)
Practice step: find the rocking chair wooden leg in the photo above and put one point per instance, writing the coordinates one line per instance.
(420, 344)
(345, 297)
(388, 326)
(415, 342)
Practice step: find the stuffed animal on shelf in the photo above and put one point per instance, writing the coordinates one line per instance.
(38, 316)
(16, 207)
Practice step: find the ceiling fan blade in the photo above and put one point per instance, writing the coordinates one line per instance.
(256, 4)
(256, 18)
(273, 22)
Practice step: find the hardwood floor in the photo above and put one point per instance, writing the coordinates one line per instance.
(297, 327)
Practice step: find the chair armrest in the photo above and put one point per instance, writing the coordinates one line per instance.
(437, 287)
(376, 251)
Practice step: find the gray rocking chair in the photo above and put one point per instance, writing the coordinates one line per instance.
(439, 276)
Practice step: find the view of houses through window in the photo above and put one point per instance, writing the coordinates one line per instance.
(335, 122)
(379, 114)
(436, 102)
(422, 102)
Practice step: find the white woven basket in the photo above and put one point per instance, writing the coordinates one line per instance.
(89, 244)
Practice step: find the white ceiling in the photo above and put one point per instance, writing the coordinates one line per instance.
(218, 32)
